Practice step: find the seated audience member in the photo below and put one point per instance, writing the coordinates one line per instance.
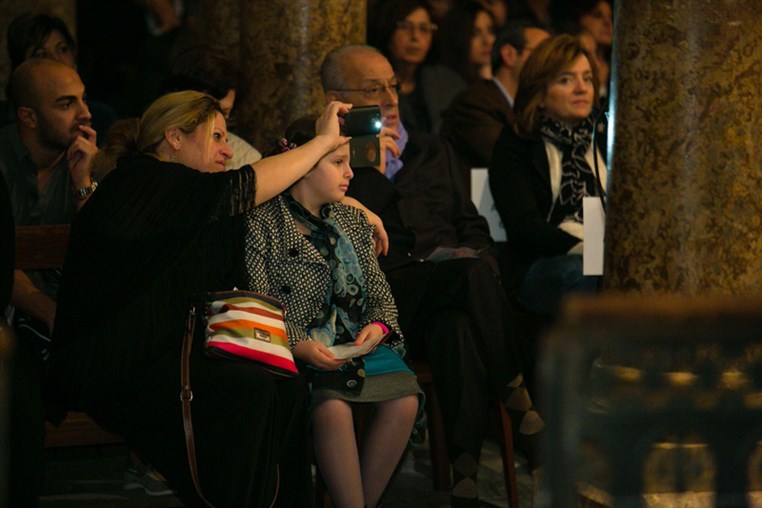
(467, 37)
(304, 239)
(476, 116)
(46, 158)
(44, 36)
(593, 17)
(542, 168)
(465, 45)
(164, 228)
(440, 266)
(207, 70)
(402, 30)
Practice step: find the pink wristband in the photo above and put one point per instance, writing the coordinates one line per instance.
(381, 325)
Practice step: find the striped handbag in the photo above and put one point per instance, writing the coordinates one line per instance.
(244, 325)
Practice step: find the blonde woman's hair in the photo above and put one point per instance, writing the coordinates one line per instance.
(185, 111)
(550, 58)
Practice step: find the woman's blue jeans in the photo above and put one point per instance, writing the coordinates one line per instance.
(548, 280)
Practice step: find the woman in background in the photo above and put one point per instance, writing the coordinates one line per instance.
(465, 47)
(542, 169)
(403, 31)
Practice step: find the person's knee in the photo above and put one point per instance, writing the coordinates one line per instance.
(560, 271)
(478, 273)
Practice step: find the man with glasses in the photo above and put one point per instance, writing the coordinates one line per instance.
(441, 266)
(474, 119)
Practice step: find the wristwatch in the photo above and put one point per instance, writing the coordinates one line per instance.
(82, 193)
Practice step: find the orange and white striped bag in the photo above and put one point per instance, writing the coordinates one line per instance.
(244, 325)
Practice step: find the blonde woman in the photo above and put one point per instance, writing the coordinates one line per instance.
(164, 228)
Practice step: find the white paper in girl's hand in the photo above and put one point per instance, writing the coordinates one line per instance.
(349, 350)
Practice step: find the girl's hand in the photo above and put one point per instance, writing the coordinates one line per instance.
(316, 354)
(369, 332)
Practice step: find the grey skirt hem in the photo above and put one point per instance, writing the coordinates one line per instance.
(379, 388)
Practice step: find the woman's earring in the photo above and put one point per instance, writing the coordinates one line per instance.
(173, 157)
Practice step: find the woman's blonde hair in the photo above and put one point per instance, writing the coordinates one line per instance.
(551, 57)
(185, 111)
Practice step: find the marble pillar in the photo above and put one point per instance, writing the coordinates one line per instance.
(685, 201)
(279, 46)
(9, 9)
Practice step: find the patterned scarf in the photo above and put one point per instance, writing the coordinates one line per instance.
(340, 315)
(577, 178)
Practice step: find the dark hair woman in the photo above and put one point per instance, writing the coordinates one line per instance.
(466, 39)
(542, 168)
(403, 31)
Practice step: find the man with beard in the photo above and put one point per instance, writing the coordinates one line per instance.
(46, 159)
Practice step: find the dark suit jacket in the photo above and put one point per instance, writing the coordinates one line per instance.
(425, 208)
(519, 179)
(474, 120)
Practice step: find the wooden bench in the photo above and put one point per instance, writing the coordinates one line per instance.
(43, 247)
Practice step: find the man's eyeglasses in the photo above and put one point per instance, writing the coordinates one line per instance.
(374, 91)
(424, 28)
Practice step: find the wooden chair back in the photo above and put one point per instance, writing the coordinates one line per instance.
(41, 247)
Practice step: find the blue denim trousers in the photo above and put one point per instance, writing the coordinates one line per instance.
(548, 280)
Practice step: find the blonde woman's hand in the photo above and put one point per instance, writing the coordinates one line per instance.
(328, 124)
(380, 236)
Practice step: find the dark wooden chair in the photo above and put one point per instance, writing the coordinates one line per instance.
(440, 462)
(41, 247)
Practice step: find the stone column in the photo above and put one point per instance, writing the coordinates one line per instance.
(279, 46)
(685, 202)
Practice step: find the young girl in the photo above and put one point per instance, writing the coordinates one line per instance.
(317, 257)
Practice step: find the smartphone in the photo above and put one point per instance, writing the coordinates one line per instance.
(363, 123)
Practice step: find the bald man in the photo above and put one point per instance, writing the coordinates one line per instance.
(46, 159)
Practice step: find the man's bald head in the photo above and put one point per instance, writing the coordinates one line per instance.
(38, 78)
(362, 76)
(49, 99)
(340, 64)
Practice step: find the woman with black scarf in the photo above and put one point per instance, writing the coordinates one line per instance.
(541, 170)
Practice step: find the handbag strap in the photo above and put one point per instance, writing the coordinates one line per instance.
(186, 396)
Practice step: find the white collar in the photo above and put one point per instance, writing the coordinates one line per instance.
(503, 90)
